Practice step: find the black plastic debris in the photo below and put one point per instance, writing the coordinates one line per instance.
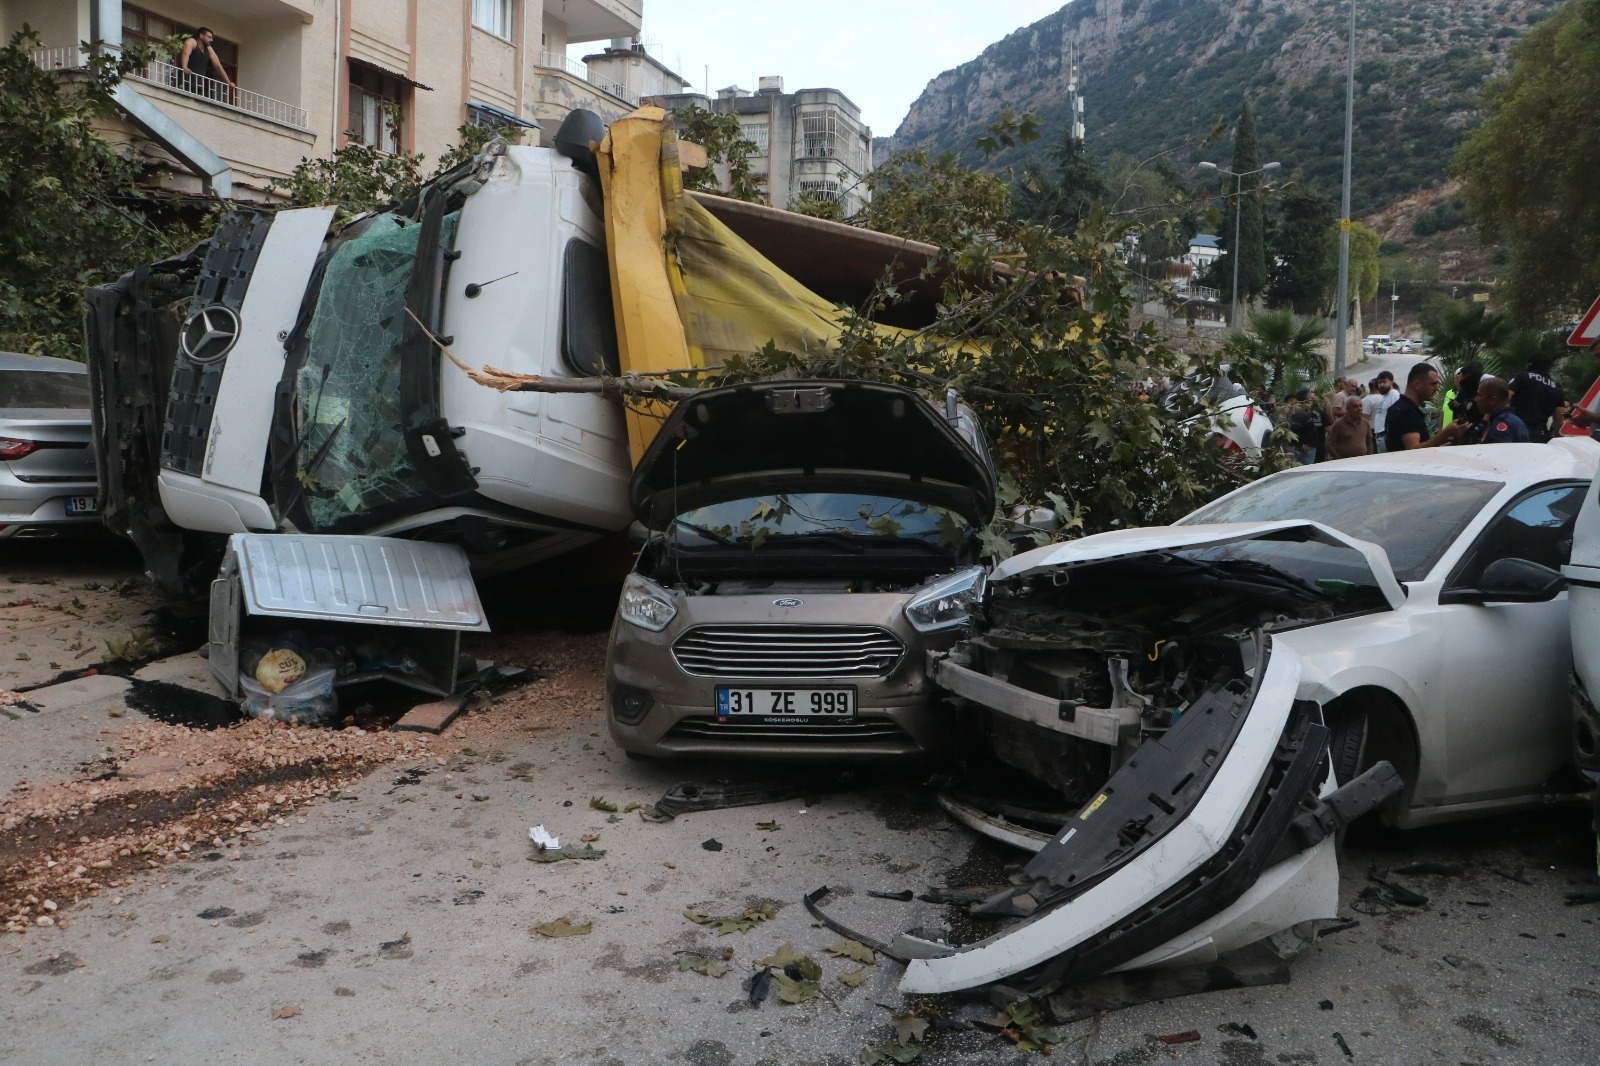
(903, 896)
(1326, 1004)
(212, 914)
(1338, 927)
(1344, 1047)
(813, 901)
(1429, 869)
(760, 986)
(1382, 892)
(687, 796)
(1453, 960)
(1242, 1028)
(1510, 875)
(711, 845)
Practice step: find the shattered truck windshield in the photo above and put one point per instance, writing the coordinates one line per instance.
(348, 410)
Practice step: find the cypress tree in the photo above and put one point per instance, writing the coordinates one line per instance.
(1252, 248)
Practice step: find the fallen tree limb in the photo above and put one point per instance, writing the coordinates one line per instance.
(627, 386)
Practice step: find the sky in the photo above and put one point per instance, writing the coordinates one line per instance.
(879, 53)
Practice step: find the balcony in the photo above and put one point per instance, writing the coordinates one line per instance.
(174, 79)
(581, 71)
(597, 20)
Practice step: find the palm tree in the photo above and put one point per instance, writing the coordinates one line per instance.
(1467, 331)
(1281, 342)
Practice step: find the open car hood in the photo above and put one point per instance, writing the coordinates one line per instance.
(1157, 540)
(773, 437)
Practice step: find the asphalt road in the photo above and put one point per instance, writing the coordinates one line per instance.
(393, 924)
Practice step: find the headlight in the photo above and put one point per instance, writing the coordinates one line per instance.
(946, 603)
(646, 604)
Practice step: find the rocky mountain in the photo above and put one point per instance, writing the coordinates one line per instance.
(1160, 74)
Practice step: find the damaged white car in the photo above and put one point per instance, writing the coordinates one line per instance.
(1213, 701)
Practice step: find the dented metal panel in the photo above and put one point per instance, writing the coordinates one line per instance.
(371, 580)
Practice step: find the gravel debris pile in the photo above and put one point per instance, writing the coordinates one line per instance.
(164, 794)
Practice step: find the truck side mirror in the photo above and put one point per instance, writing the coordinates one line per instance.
(1519, 581)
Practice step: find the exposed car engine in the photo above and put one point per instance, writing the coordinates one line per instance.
(1176, 632)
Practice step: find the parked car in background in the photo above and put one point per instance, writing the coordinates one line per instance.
(47, 468)
(809, 543)
(1211, 700)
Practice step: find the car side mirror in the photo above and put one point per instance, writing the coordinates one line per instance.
(1519, 581)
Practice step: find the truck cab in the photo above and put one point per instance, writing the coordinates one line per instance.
(290, 374)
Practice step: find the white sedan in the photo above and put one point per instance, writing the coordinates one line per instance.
(1215, 700)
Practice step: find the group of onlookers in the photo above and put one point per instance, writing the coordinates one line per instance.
(1478, 409)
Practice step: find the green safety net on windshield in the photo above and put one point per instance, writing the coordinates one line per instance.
(353, 459)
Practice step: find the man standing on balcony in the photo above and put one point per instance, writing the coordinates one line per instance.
(199, 61)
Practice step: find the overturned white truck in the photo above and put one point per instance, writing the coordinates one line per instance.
(287, 375)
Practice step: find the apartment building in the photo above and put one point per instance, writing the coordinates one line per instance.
(312, 75)
(811, 140)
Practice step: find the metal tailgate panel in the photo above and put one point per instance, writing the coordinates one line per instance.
(371, 580)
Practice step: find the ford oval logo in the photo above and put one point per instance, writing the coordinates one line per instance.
(788, 601)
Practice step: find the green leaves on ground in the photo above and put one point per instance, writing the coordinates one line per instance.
(600, 803)
(909, 1029)
(850, 949)
(785, 958)
(791, 990)
(1021, 1023)
(712, 964)
(563, 927)
(751, 917)
(768, 827)
(853, 978)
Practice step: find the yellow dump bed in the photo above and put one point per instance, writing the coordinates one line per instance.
(689, 290)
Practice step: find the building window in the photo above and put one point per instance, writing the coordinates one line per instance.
(145, 27)
(822, 190)
(756, 133)
(493, 16)
(377, 108)
(818, 133)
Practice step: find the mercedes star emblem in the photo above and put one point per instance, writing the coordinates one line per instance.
(210, 333)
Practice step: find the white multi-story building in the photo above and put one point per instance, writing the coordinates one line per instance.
(808, 141)
(313, 75)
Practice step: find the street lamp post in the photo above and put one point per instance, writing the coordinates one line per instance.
(1238, 196)
(1343, 299)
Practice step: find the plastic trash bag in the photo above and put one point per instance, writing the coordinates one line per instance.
(308, 701)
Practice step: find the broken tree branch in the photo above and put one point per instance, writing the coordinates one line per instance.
(627, 386)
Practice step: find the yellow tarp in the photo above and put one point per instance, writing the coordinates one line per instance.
(687, 290)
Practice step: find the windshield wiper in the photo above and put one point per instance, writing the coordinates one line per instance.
(709, 534)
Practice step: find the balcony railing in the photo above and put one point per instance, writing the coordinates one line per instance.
(559, 61)
(160, 72)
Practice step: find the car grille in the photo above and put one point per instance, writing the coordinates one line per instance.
(787, 653)
(881, 731)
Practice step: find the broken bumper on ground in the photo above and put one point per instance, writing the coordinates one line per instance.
(1214, 836)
